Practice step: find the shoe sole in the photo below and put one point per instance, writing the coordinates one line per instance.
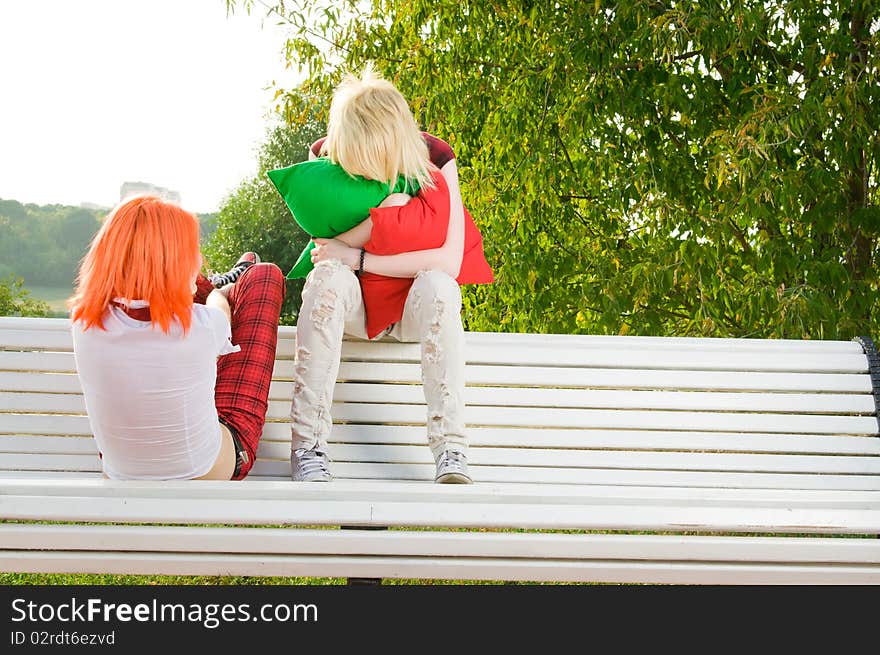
(312, 480)
(249, 262)
(453, 478)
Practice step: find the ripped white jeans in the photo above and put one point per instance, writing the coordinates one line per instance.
(332, 305)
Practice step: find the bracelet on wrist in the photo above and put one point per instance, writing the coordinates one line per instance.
(360, 268)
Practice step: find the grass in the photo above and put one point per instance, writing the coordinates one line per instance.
(108, 579)
(189, 580)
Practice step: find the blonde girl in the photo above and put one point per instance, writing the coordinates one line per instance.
(372, 133)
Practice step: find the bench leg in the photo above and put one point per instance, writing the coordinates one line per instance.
(357, 582)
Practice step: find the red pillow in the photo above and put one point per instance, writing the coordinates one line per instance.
(419, 225)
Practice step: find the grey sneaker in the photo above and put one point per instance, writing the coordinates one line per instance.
(452, 468)
(309, 466)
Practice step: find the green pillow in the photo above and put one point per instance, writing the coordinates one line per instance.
(326, 201)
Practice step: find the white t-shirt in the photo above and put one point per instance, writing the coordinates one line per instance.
(150, 395)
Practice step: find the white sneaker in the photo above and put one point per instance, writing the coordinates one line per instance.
(452, 468)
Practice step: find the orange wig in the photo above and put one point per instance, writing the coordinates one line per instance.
(147, 249)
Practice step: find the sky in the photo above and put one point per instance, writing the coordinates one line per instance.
(94, 93)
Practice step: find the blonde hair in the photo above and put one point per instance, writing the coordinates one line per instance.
(147, 249)
(372, 132)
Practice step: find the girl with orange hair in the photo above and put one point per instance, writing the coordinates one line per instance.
(148, 330)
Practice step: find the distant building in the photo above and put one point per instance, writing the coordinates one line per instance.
(129, 189)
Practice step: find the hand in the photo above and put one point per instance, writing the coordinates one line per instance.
(335, 249)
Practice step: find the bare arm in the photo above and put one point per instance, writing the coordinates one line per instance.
(357, 236)
(218, 299)
(446, 258)
(453, 247)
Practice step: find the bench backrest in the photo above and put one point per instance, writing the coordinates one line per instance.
(541, 408)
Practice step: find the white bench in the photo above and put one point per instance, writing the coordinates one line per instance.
(619, 459)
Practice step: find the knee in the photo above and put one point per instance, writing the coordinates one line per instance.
(266, 275)
(438, 289)
(329, 274)
(266, 271)
(327, 287)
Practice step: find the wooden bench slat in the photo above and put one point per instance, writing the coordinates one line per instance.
(622, 572)
(549, 356)
(47, 462)
(522, 417)
(45, 424)
(593, 341)
(288, 333)
(403, 393)
(37, 361)
(36, 424)
(616, 419)
(416, 490)
(488, 473)
(800, 403)
(39, 445)
(496, 474)
(14, 376)
(615, 359)
(46, 403)
(526, 458)
(407, 491)
(606, 399)
(388, 473)
(491, 352)
(522, 438)
(563, 437)
(29, 339)
(635, 460)
(59, 475)
(430, 544)
(599, 378)
(614, 439)
(366, 512)
(36, 382)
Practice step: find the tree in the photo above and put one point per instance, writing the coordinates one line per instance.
(77, 230)
(653, 167)
(207, 226)
(254, 217)
(15, 300)
(44, 243)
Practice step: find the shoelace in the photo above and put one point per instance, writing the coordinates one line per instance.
(230, 276)
(311, 462)
(453, 459)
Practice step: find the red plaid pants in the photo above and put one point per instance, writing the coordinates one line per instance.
(241, 394)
